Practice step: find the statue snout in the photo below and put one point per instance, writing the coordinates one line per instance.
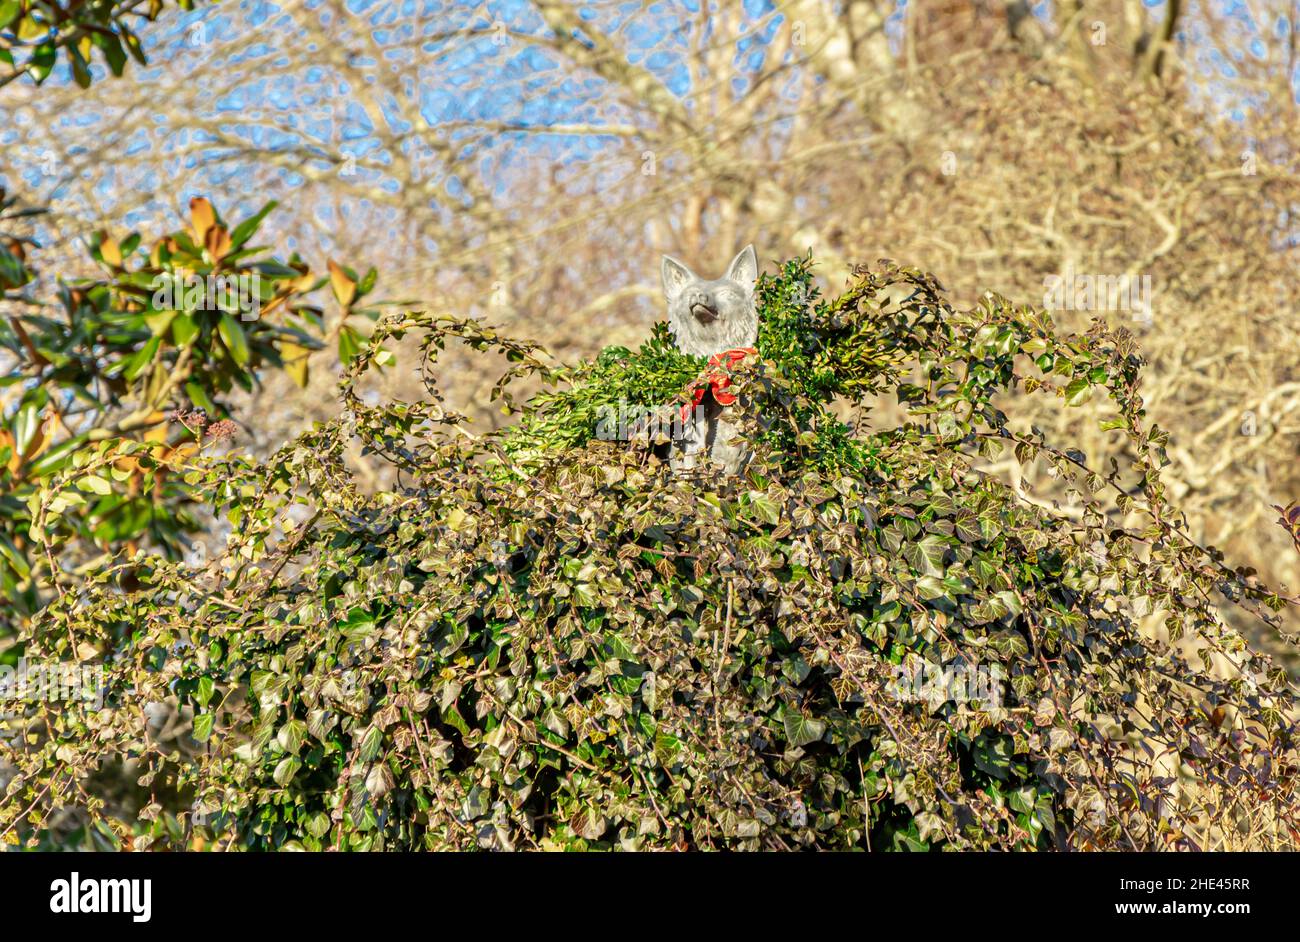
(702, 306)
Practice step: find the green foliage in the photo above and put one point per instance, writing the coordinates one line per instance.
(96, 369)
(582, 650)
(570, 418)
(32, 34)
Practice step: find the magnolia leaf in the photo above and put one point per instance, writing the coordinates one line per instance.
(232, 335)
(246, 229)
(343, 286)
(109, 250)
(202, 218)
(295, 358)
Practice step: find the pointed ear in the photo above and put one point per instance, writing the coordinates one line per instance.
(675, 276)
(744, 267)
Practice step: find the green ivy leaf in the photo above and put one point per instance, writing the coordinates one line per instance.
(801, 730)
(285, 771)
(1078, 392)
(203, 726)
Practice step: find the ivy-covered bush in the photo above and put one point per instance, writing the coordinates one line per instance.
(544, 639)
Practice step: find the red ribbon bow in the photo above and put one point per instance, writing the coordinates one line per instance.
(716, 379)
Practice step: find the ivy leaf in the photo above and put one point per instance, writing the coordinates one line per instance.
(202, 728)
(967, 527)
(207, 686)
(764, 507)
(929, 588)
(370, 743)
(801, 730)
(285, 771)
(380, 780)
(1078, 392)
(926, 555)
(589, 824)
(993, 756)
(1009, 643)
